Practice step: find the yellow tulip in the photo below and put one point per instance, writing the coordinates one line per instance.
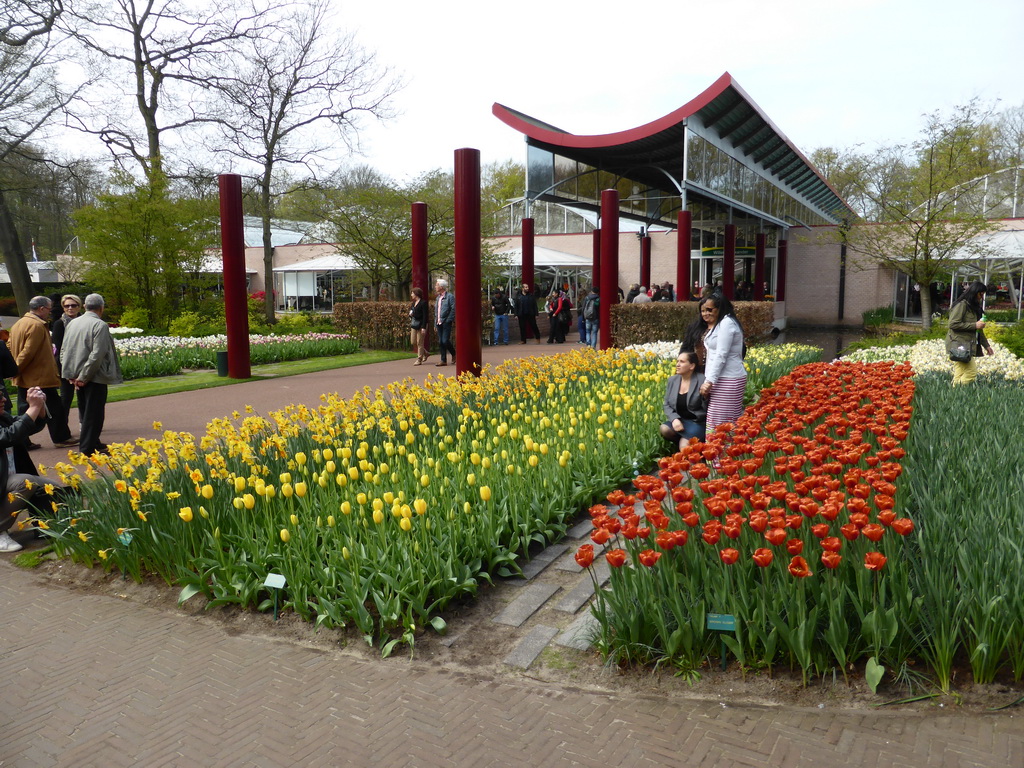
(300, 458)
(285, 535)
(405, 524)
(378, 504)
(378, 516)
(249, 501)
(239, 484)
(185, 513)
(207, 491)
(300, 489)
(353, 473)
(203, 513)
(330, 467)
(285, 477)
(346, 508)
(420, 506)
(485, 493)
(361, 498)
(345, 553)
(424, 480)
(471, 479)
(331, 521)
(270, 491)
(328, 454)
(295, 519)
(533, 460)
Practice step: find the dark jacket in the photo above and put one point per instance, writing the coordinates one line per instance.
(14, 433)
(500, 305)
(447, 308)
(418, 314)
(697, 405)
(525, 305)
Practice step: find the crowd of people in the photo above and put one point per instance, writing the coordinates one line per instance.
(51, 361)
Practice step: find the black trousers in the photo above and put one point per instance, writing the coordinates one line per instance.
(528, 321)
(92, 405)
(57, 421)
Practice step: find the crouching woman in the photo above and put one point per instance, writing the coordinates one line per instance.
(685, 408)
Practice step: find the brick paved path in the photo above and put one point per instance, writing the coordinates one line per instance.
(97, 681)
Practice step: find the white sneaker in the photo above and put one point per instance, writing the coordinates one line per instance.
(7, 544)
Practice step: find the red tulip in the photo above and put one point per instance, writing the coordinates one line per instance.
(649, 557)
(831, 560)
(729, 556)
(874, 561)
(616, 558)
(585, 555)
(763, 557)
(798, 567)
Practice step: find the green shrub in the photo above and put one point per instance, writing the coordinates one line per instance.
(377, 324)
(135, 318)
(873, 318)
(298, 323)
(185, 324)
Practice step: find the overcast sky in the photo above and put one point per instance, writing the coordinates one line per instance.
(861, 71)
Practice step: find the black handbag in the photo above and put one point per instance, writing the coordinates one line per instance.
(961, 354)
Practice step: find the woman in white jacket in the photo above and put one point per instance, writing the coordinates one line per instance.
(725, 377)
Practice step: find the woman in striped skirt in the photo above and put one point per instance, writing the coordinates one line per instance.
(725, 377)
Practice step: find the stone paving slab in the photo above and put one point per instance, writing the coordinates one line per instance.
(525, 604)
(580, 530)
(547, 556)
(578, 634)
(578, 596)
(530, 647)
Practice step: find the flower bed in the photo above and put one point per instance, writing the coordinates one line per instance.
(143, 356)
(381, 509)
(764, 363)
(795, 534)
(929, 355)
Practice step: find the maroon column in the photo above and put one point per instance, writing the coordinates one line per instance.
(609, 264)
(645, 261)
(236, 306)
(759, 243)
(684, 227)
(595, 268)
(729, 263)
(420, 272)
(468, 323)
(780, 271)
(527, 248)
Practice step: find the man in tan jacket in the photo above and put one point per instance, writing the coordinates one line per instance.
(33, 352)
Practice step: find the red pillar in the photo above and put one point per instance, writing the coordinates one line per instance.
(645, 261)
(595, 268)
(468, 323)
(684, 226)
(780, 271)
(609, 264)
(759, 248)
(236, 305)
(729, 263)
(527, 248)
(420, 272)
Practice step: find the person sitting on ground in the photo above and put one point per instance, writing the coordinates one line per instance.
(18, 474)
(685, 408)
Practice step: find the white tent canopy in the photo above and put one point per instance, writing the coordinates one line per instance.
(315, 283)
(1000, 252)
(545, 257)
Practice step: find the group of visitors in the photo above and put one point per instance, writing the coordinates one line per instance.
(50, 365)
(523, 305)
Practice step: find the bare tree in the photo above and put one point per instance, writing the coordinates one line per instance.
(30, 95)
(171, 52)
(301, 93)
(23, 20)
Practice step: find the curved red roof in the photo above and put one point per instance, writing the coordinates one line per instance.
(723, 107)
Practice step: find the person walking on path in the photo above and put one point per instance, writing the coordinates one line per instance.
(72, 306)
(418, 314)
(591, 313)
(965, 338)
(526, 310)
(32, 349)
(89, 361)
(444, 320)
(18, 474)
(501, 307)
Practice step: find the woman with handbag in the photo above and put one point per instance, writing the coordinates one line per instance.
(418, 325)
(965, 339)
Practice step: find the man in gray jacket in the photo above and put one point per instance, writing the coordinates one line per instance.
(89, 362)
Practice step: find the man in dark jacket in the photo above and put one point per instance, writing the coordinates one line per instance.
(18, 475)
(526, 310)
